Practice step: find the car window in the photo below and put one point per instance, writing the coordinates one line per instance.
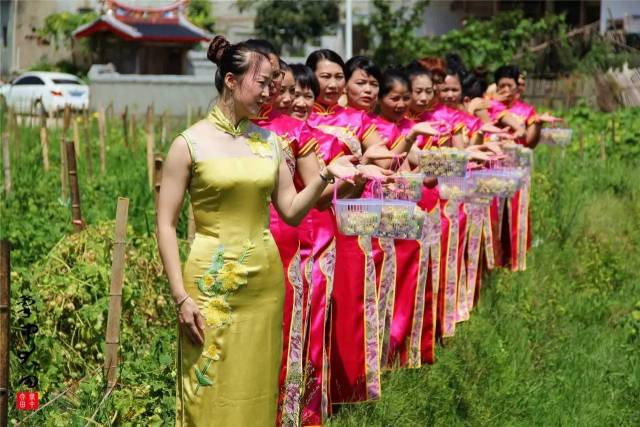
(29, 80)
(66, 82)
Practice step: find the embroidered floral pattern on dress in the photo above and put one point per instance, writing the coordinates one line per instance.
(387, 294)
(372, 346)
(451, 270)
(414, 358)
(474, 247)
(346, 135)
(222, 278)
(259, 146)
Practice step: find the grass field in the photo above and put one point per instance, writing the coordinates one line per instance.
(558, 344)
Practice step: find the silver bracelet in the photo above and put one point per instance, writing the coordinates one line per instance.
(179, 303)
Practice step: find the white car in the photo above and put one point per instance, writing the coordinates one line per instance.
(45, 91)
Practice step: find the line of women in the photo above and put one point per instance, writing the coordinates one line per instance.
(355, 306)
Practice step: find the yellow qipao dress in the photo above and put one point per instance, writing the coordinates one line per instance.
(235, 275)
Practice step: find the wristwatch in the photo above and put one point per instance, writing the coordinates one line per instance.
(323, 176)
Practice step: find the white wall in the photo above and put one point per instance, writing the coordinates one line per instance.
(618, 8)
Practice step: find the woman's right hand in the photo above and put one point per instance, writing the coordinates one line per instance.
(191, 321)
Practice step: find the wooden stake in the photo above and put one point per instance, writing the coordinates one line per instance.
(133, 131)
(613, 131)
(76, 214)
(157, 176)
(115, 294)
(87, 142)
(44, 141)
(191, 224)
(76, 136)
(125, 127)
(101, 139)
(64, 166)
(6, 163)
(603, 151)
(5, 330)
(581, 141)
(15, 133)
(163, 129)
(150, 145)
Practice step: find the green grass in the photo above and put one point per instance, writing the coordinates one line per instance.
(558, 344)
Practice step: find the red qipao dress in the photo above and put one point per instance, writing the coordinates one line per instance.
(516, 227)
(354, 344)
(319, 227)
(296, 141)
(453, 228)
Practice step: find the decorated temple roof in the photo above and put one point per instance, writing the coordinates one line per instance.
(154, 24)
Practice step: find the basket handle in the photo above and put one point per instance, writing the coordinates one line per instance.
(376, 182)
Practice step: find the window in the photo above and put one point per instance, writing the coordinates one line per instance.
(66, 82)
(29, 80)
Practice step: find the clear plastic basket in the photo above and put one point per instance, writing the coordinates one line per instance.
(455, 187)
(449, 162)
(405, 186)
(496, 182)
(556, 136)
(396, 219)
(357, 217)
(518, 156)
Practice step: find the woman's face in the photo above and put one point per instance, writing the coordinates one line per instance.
(362, 90)
(302, 102)
(450, 91)
(276, 77)
(331, 79)
(421, 93)
(507, 89)
(395, 103)
(287, 89)
(252, 90)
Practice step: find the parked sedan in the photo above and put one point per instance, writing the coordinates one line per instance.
(45, 91)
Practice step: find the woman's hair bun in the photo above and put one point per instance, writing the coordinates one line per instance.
(216, 49)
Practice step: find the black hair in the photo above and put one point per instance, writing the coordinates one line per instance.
(415, 69)
(236, 59)
(455, 65)
(263, 46)
(305, 77)
(363, 63)
(507, 72)
(391, 76)
(474, 84)
(323, 54)
(283, 65)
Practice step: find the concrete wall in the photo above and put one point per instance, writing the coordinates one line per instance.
(173, 94)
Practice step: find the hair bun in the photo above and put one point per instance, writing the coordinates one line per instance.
(216, 49)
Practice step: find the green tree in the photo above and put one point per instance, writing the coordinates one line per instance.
(292, 23)
(392, 31)
(199, 13)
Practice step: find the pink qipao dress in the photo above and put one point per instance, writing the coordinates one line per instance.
(296, 141)
(453, 227)
(515, 229)
(354, 345)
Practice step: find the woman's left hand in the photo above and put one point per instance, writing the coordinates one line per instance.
(548, 118)
(343, 168)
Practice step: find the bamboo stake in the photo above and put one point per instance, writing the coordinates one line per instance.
(5, 330)
(163, 127)
(76, 213)
(110, 112)
(101, 139)
(76, 136)
(44, 141)
(115, 294)
(188, 115)
(191, 224)
(6, 163)
(16, 134)
(133, 131)
(581, 141)
(87, 142)
(150, 145)
(199, 116)
(125, 127)
(157, 176)
(603, 151)
(64, 166)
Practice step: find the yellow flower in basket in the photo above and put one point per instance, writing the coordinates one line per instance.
(232, 275)
(217, 312)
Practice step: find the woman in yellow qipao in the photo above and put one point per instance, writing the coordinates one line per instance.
(229, 297)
